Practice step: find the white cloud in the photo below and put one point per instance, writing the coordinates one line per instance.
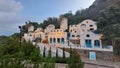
(9, 15)
(10, 6)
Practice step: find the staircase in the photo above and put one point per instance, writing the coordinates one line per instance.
(53, 50)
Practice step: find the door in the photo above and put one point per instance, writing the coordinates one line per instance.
(88, 43)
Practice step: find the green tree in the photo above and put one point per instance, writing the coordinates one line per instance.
(48, 61)
(109, 24)
(75, 61)
(109, 16)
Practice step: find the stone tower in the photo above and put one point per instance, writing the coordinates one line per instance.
(63, 23)
(30, 28)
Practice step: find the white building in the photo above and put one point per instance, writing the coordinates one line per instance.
(83, 33)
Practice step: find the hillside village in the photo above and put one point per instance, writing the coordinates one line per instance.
(80, 36)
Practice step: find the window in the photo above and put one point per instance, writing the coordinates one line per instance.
(91, 25)
(83, 25)
(73, 35)
(45, 33)
(54, 40)
(97, 43)
(91, 28)
(87, 35)
(58, 40)
(78, 35)
(50, 40)
(88, 43)
(86, 21)
(30, 34)
(62, 41)
(75, 31)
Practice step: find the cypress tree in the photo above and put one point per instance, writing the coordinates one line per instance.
(63, 52)
(44, 53)
(50, 52)
(56, 52)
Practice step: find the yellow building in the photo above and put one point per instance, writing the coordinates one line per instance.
(57, 37)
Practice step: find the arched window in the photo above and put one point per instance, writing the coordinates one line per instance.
(50, 40)
(83, 25)
(88, 43)
(58, 40)
(97, 43)
(62, 41)
(54, 40)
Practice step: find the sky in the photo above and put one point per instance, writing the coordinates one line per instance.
(16, 12)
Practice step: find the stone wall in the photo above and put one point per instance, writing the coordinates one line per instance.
(102, 55)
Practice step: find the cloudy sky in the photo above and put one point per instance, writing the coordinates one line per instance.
(15, 12)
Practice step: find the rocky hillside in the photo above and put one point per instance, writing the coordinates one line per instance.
(94, 10)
